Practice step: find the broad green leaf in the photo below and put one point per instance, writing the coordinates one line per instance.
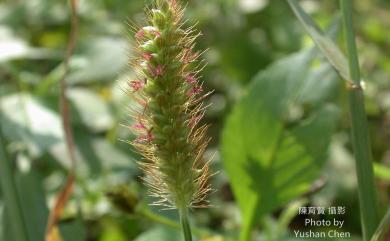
(268, 163)
(324, 43)
(103, 60)
(27, 120)
(91, 109)
(161, 233)
(320, 85)
(13, 48)
(96, 155)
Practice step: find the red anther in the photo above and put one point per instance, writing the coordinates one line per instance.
(148, 137)
(140, 138)
(142, 102)
(136, 85)
(194, 120)
(158, 71)
(140, 34)
(195, 90)
(147, 56)
(190, 79)
(188, 56)
(139, 126)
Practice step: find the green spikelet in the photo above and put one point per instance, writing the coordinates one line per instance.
(170, 108)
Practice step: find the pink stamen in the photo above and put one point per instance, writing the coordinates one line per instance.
(190, 79)
(194, 120)
(136, 85)
(140, 138)
(139, 126)
(140, 34)
(158, 71)
(144, 103)
(195, 90)
(145, 138)
(147, 56)
(188, 56)
(149, 136)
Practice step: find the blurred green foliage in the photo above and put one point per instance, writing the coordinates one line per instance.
(263, 84)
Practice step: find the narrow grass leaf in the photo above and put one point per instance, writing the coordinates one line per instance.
(324, 43)
(10, 195)
(383, 231)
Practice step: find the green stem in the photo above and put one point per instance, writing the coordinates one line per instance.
(10, 195)
(360, 135)
(353, 61)
(185, 224)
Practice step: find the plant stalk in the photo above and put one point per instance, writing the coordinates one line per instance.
(10, 195)
(183, 212)
(360, 135)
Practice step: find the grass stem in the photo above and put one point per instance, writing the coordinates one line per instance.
(360, 135)
(185, 224)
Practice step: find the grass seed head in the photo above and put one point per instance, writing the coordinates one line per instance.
(170, 108)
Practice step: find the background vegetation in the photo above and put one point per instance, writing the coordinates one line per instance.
(279, 118)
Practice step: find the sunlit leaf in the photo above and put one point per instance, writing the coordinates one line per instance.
(269, 163)
(381, 171)
(96, 154)
(27, 120)
(103, 60)
(91, 108)
(12, 48)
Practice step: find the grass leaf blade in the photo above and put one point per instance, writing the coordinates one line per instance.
(324, 43)
(10, 195)
(383, 228)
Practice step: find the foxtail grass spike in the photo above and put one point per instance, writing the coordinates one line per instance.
(170, 107)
